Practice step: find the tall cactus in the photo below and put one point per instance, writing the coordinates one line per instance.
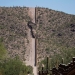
(57, 63)
(62, 60)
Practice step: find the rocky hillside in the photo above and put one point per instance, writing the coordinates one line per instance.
(55, 32)
(13, 29)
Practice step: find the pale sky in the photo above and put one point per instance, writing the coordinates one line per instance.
(67, 6)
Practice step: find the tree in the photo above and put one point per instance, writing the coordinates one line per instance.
(14, 67)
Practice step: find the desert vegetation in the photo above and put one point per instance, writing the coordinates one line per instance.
(12, 66)
(55, 33)
(13, 29)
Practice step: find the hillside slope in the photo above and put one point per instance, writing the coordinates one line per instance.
(55, 32)
(13, 30)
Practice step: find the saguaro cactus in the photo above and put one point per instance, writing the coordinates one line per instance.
(62, 60)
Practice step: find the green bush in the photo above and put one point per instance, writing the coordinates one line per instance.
(14, 67)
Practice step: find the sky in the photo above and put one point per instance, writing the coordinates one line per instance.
(67, 6)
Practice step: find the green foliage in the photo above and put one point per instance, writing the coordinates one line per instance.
(54, 61)
(1, 39)
(30, 69)
(47, 50)
(2, 49)
(43, 62)
(14, 67)
(1, 27)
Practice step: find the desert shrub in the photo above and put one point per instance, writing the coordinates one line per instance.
(54, 61)
(2, 48)
(14, 67)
